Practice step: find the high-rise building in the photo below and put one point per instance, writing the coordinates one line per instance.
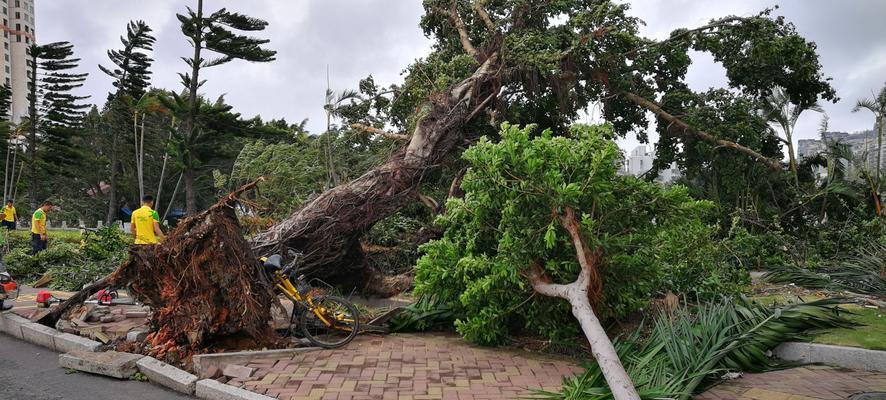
(18, 34)
(639, 162)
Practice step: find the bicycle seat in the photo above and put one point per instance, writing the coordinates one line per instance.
(274, 262)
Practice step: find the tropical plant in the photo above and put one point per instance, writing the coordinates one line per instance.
(780, 111)
(210, 33)
(863, 272)
(876, 105)
(693, 347)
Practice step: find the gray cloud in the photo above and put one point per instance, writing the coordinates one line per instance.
(356, 38)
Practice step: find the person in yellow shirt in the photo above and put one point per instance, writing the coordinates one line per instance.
(38, 228)
(145, 224)
(9, 216)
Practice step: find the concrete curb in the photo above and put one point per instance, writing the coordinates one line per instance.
(213, 390)
(109, 363)
(166, 375)
(44, 336)
(12, 324)
(205, 361)
(839, 356)
(40, 335)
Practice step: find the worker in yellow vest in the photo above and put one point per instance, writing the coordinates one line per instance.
(145, 223)
(38, 228)
(9, 216)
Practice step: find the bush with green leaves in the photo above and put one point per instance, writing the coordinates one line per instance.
(653, 239)
(72, 265)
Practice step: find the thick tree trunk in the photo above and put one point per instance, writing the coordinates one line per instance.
(326, 230)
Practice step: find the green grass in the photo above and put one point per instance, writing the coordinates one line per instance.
(871, 335)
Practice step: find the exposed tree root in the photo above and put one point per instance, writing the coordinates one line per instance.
(203, 284)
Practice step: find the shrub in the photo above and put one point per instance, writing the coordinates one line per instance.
(653, 239)
(21, 264)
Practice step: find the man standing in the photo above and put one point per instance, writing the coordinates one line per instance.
(38, 228)
(9, 216)
(145, 223)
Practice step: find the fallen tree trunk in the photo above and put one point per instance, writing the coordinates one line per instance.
(203, 284)
(326, 230)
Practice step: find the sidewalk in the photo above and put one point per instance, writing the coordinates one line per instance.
(427, 366)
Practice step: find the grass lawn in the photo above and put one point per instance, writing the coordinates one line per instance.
(871, 335)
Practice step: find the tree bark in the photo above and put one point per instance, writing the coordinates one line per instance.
(326, 230)
(578, 295)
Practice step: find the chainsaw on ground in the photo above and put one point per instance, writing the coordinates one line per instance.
(8, 290)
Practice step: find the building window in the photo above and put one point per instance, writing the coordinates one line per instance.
(7, 69)
(5, 11)
(18, 38)
(6, 45)
(18, 15)
(18, 27)
(18, 3)
(27, 40)
(7, 57)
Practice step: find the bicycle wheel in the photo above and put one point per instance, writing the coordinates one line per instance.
(332, 323)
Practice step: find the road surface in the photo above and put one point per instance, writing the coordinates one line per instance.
(29, 372)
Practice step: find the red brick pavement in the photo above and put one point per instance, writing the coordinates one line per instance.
(407, 367)
(805, 383)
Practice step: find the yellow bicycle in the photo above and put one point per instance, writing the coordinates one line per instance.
(326, 321)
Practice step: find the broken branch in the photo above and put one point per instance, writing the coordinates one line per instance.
(462, 30)
(679, 127)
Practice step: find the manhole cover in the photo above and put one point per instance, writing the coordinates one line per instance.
(869, 396)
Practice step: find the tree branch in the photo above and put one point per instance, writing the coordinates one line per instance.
(541, 283)
(484, 16)
(462, 30)
(376, 131)
(589, 277)
(680, 127)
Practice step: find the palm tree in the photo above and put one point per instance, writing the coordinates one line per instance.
(781, 113)
(332, 105)
(876, 105)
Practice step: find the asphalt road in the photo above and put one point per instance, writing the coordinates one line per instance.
(29, 372)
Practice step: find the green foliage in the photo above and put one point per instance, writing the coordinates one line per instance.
(653, 239)
(862, 272)
(427, 313)
(694, 347)
(73, 260)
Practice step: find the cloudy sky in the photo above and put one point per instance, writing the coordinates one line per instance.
(356, 38)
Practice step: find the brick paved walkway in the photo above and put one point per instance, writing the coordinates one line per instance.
(805, 383)
(428, 366)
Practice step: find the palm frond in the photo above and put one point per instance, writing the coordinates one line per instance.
(691, 348)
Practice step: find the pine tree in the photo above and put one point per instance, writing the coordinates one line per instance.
(215, 33)
(55, 113)
(131, 70)
(131, 73)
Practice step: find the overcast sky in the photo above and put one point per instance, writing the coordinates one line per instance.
(356, 38)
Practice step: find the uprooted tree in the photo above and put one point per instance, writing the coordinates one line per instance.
(540, 62)
(203, 284)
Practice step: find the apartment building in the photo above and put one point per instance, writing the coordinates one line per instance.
(18, 34)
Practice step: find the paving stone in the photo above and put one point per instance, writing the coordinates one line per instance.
(136, 314)
(109, 363)
(136, 336)
(66, 343)
(40, 335)
(209, 389)
(166, 375)
(237, 371)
